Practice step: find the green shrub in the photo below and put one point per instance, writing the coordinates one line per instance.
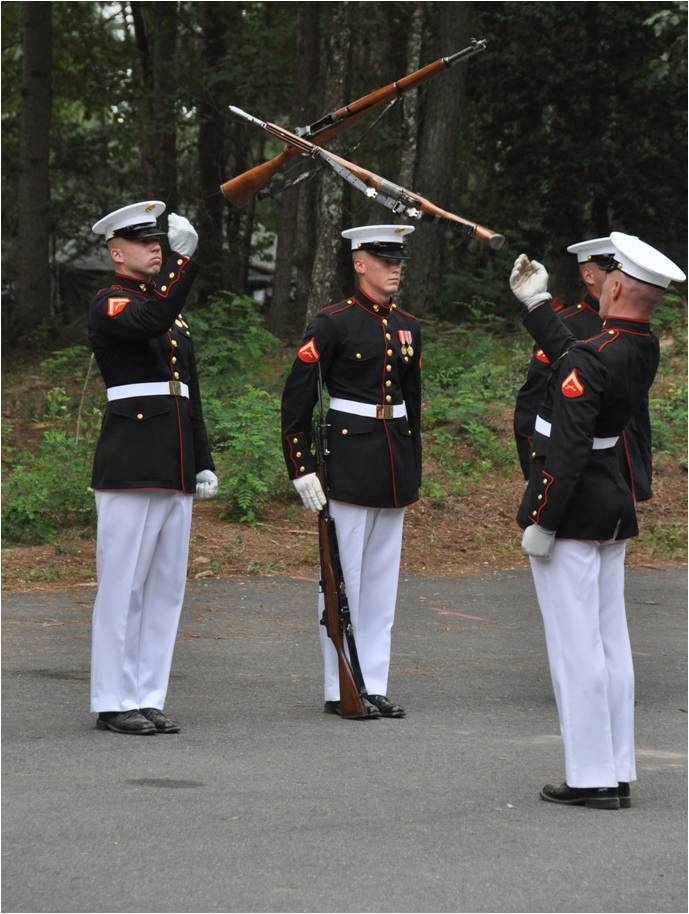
(232, 346)
(48, 490)
(71, 363)
(669, 420)
(245, 435)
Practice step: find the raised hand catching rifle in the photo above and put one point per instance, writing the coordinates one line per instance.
(368, 354)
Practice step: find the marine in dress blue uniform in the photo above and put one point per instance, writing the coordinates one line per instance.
(152, 457)
(368, 351)
(583, 322)
(577, 512)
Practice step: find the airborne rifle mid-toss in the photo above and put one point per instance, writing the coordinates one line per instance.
(241, 189)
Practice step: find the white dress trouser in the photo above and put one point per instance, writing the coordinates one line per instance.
(370, 544)
(141, 560)
(580, 592)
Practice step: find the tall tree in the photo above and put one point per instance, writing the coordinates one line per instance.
(326, 284)
(155, 26)
(442, 108)
(218, 20)
(295, 239)
(33, 191)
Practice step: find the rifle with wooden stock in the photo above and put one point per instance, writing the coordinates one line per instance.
(241, 189)
(398, 199)
(336, 618)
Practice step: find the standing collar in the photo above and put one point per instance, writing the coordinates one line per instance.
(129, 282)
(626, 323)
(373, 306)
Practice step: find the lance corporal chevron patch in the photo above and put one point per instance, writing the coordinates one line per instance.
(309, 351)
(115, 305)
(572, 386)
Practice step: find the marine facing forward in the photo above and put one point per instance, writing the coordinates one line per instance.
(369, 354)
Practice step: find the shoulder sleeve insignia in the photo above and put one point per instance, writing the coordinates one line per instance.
(571, 386)
(541, 357)
(115, 305)
(309, 352)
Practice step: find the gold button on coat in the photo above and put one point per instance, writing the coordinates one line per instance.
(388, 383)
(174, 359)
(390, 352)
(388, 399)
(358, 355)
(163, 288)
(345, 431)
(139, 415)
(175, 374)
(173, 343)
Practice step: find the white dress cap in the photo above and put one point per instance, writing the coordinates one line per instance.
(135, 220)
(587, 250)
(641, 261)
(381, 240)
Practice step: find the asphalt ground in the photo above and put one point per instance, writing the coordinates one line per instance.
(264, 803)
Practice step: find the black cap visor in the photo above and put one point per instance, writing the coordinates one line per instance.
(388, 250)
(142, 232)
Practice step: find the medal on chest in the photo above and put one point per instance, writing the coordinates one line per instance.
(405, 339)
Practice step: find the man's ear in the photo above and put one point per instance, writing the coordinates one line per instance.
(587, 275)
(616, 289)
(359, 265)
(116, 255)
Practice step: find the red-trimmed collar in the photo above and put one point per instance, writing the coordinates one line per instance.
(370, 305)
(626, 323)
(130, 282)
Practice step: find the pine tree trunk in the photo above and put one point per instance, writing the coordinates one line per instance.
(441, 110)
(325, 283)
(212, 156)
(155, 28)
(410, 121)
(33, 191)
(295, 232)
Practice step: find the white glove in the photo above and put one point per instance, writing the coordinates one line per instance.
(538, 541)
(529, 282)
(206, 483)
(181, 235)
(311, 491)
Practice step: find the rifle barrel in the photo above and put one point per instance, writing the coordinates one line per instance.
(477, 45)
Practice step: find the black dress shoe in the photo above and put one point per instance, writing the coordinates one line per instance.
(162, 723)
(386, 707)
(625, 791)
(370, 711)
(124, 722)
(593, 797)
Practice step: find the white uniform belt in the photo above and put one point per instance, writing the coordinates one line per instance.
(149, 389)
(371, 410)
(599, 444)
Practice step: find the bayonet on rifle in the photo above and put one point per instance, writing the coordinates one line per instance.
(398, 199)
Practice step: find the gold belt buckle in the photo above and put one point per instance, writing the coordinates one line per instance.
(175, 388)
(383, 410)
